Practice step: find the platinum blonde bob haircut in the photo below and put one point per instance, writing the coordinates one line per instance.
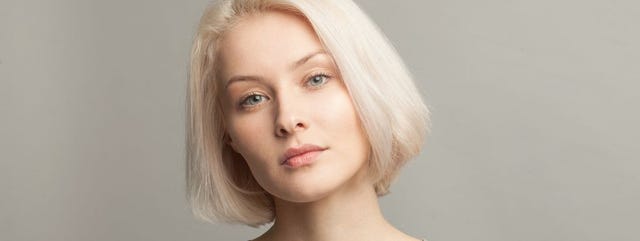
(219, 184)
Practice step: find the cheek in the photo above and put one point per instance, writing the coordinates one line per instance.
(248, 126)
(250, 135)
(339, 114)
(248, 132)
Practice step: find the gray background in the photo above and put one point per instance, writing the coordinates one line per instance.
(535, 120)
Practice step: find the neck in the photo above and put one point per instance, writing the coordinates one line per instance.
(350, 213)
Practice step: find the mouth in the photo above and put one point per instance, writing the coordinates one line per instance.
(302, 160)
(302, 155)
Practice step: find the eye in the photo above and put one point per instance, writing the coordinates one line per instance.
(318, 80)
(252, 99)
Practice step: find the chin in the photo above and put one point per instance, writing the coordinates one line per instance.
(314, 183)
(304, 193)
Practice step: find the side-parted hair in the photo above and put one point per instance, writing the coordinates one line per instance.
(219, 184)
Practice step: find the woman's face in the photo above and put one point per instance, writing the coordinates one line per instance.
(291, 95)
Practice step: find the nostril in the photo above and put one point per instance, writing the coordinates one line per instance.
(283, 131)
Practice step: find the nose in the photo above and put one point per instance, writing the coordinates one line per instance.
(290, 118)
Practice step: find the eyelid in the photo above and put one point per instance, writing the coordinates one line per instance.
(318, 73)
(246, 97)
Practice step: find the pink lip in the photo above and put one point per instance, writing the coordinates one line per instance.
(303, 155)
(302, 159)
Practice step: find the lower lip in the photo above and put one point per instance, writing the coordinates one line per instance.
(302, 160)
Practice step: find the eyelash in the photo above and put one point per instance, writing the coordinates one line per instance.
(251, 94)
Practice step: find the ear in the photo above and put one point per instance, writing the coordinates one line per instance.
(227, 140)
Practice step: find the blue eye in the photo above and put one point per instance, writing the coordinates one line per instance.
(252, 100)
(318, 80)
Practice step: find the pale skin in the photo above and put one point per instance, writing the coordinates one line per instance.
(296, 96)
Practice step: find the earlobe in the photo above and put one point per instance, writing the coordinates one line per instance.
(233, 146)
(228, 141)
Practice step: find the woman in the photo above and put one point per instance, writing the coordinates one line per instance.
(300, 113)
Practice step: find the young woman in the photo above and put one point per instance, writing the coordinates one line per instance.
(299, 113)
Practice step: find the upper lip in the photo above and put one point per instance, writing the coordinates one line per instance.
(294, 151)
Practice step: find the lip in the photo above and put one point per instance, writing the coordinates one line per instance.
(307, 152)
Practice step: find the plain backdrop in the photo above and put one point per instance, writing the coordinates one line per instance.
(535, 120)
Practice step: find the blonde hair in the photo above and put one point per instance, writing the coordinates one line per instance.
(393, 115)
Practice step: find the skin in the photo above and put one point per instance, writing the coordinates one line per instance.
(288, 106)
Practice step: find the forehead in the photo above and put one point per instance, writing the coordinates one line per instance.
(267, 41)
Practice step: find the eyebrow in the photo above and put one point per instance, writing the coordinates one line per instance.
(295, 65)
